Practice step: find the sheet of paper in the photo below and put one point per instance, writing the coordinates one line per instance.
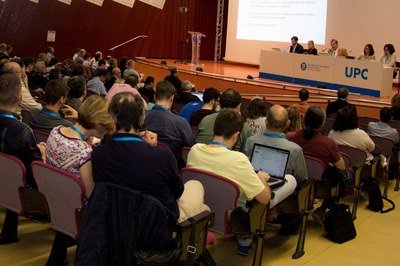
(96, 2)
(35, 1)
(156, 3)
(68, 2)
(51, 35)
(128, 3)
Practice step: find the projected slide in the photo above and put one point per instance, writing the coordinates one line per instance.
(279, 20)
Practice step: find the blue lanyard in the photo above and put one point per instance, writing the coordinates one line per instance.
(274, 136)
(161, 107)
(219, 144)
(49, 113)
(78, 131)
(120, 139)
(8, 116)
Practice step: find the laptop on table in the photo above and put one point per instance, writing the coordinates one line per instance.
(272, 161)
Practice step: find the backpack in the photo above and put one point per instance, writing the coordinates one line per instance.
(375, 199)
(339, 225)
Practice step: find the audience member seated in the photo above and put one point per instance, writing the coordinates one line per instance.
(148, 89)
(39, 78)
(48, 118)
(335, 51)
(256, 116)
(95, 60)
(116, 78)
(389, 57)
(382, 128)
(29, 63)
(295, 47)
(294, 119)
(210, 105)
(396, 106)
(303, 104)
(229, 99)
(17, 139)
(129, 86)
(102, 66)
(333, 107)
(96, 84)
(174, 79)
(315, 144)
(54, 74)
(67, 146)
(345, 131)
(277, 121)
(50, 53)
(171, 129)
(52, 64)
(218, 157)
(368, 54)
(77, 92)
(132, 159)
(123, 63)
(27, 102)
(185, 95)
(130, 70)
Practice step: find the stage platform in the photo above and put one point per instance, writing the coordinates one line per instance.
(223, 75)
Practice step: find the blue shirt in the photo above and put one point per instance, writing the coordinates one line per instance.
(171, 129)
(189, 108)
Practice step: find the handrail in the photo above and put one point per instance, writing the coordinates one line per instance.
(131, 40)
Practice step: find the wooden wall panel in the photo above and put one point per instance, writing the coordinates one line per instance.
(24, 24)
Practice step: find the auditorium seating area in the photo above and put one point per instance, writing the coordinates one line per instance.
(373, 242)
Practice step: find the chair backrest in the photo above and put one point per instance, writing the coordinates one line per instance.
(366, 120)
(195, 130)
(185, 152)
(315, 167)
(363, 127)
(41, 136)
(395, 124)
(12, 179)
(25, 116)
(65, 195)
(328, 125)
(357, 156)
(220, 194)
(346, 159)
(386, 144)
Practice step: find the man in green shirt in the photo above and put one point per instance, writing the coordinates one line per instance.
(229, 99)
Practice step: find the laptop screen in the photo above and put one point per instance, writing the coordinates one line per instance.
(270, 159)
(198, 94)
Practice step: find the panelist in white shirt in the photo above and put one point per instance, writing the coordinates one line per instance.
(368, 54)
(389, 57)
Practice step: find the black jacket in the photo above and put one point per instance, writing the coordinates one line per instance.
(118, 221)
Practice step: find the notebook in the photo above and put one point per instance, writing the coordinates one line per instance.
(272, 161)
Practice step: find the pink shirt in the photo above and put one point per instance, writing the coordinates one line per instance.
(117, 88)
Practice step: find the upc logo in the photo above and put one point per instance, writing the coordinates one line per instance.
(353, 72)
(303, 66)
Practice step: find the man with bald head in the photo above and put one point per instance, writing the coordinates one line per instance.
(27, 102)
(277, 121)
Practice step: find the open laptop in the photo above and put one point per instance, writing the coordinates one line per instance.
(198, 94)
(271, 160)
(276, 49)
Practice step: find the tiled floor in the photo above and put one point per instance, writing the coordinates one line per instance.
(377, 243)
